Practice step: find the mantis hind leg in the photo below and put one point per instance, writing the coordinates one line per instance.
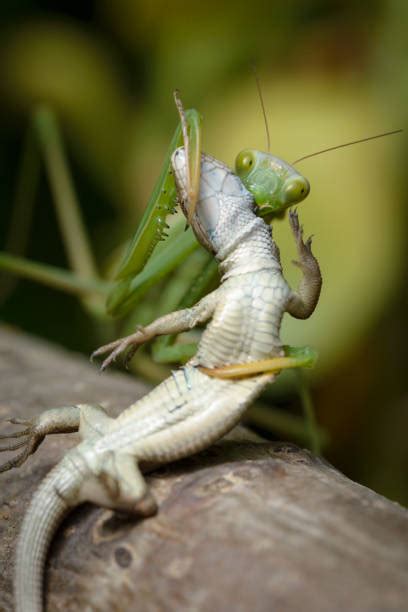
(90, 420)
(44, 140)
(309, 414)
(22, 209)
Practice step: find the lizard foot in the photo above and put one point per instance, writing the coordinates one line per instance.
(33, 436)
(146, 506)
(128, 343)
(307, 260)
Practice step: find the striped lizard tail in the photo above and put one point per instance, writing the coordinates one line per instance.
(45, 513)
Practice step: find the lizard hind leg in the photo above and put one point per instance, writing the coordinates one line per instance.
(91, 421)
(117, 483)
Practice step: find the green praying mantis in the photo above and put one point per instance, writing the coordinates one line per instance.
(161, 245)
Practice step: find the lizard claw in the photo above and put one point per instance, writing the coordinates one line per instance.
(120, 346)
(18, 434)
(130, 354)
(103, 349)
(293, 219)
(33, 438)
(296, 227)
(304, 248)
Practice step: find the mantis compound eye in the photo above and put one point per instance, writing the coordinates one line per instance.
(244, 162)
(295, 190)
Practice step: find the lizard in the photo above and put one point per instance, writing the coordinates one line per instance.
(191, 409)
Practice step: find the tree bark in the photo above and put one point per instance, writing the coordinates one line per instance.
(247, 525)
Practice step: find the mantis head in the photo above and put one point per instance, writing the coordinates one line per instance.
(274, 184)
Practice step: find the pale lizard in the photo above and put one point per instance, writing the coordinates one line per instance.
(190, 410)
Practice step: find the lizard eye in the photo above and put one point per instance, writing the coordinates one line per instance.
(244, 161)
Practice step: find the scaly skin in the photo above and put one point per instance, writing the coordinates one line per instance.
(190, 410)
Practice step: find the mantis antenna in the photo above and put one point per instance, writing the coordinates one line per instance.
(258, 85)
(346, 144)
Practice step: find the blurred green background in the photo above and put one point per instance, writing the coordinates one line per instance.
(331, 71)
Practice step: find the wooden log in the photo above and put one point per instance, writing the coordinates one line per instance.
(247, 525)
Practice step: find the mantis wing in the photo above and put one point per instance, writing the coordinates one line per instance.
(153, 225)
(162, 202)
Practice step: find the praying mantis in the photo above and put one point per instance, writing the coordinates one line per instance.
(149, 258)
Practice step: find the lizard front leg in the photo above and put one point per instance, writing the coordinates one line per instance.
(91, 421)
(172, 323)
(302, 303)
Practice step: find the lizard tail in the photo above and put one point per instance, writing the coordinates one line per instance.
(46, 511)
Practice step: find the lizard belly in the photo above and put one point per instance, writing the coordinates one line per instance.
(245, 326)
(190, 410)
(184, 414)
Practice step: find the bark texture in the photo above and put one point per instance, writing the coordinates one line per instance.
(246, 526)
